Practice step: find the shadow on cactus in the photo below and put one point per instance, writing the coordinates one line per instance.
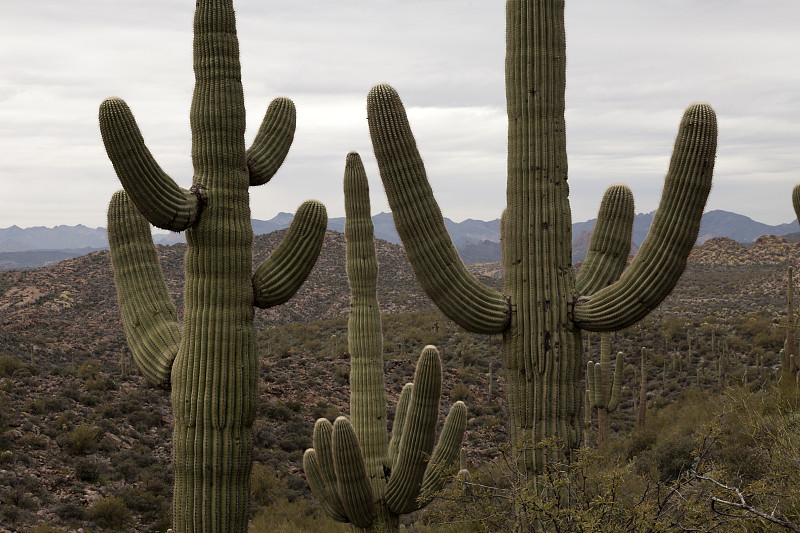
(541, 311)
(210, 362)
(356, 471)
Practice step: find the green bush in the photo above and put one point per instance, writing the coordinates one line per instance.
(8, 365)
(81, 440)
(110, 512)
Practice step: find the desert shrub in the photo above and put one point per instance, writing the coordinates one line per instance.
(71, 512)
(81, 440)
(8, 365)
(45, 528)
(266, 484)
(87, 469)
(460, 392)
(110, 512)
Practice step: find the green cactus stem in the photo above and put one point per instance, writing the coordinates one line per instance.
(376, 479)
(604, 394)
(789, 359)
(642, 414)
(210, 361)
(540, 311)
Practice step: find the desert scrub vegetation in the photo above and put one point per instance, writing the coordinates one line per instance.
(711, 461)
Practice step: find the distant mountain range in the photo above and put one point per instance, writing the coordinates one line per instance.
(476, 240)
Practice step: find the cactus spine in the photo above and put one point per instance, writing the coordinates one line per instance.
(210, 363)
(540, 313)
(373, 480)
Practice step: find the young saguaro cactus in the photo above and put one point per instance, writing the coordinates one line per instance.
(210, 363)
(358, 474)
(604, 394)
(540, 312)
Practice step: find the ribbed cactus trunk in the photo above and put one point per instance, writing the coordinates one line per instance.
(214, 377)
(541, 348)
(365, 341)
(789, 364)
(210, 362)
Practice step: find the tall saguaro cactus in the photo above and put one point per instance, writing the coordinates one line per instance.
(541, 311)
(358, 474)
(210, 362)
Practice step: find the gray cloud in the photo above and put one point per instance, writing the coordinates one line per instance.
(632, 68)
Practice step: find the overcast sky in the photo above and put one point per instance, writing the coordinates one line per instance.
(632, 67)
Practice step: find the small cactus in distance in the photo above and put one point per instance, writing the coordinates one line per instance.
(357, 473)
(604, 394)
(642, 415)
(209, 362)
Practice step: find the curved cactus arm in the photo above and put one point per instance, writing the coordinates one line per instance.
(419, 432)
(399, 422)
(288, 266)
(272, 142)
(587, 409)
(610, 243)
(444, 455)
(351, 475)
(148, 314)
(616, 387)
(321, 487)
(796, 200)
(420, 225)
(662, 258)
(162, 202)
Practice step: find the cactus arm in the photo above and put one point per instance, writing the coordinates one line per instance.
(279, 277)
(351, 475)
(162, 202)
(662, 258)
(796, 200)
(148, 314)
(591, 386)
(599, 383)
(419, 222)
(419, 432)
(610, 243)
(616, 387)
(444, 455)
(399, 421)
(272, 142)
(325, 493)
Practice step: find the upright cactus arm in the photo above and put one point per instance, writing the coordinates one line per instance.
(420, 225)
(279, 277)
(444, 455)
(320, 471)
(662, 258)
(148, 314)
(272, 142)
(419, 433)
(351, 474)
(610, 243)
(399, 421)
(616, 386)
(796, 200)
(162, 202)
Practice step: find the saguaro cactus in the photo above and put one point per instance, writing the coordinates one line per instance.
(210, 362)
(789, 363)
(358, 474)
(604, 394)
(540, 312)
(642, 415)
